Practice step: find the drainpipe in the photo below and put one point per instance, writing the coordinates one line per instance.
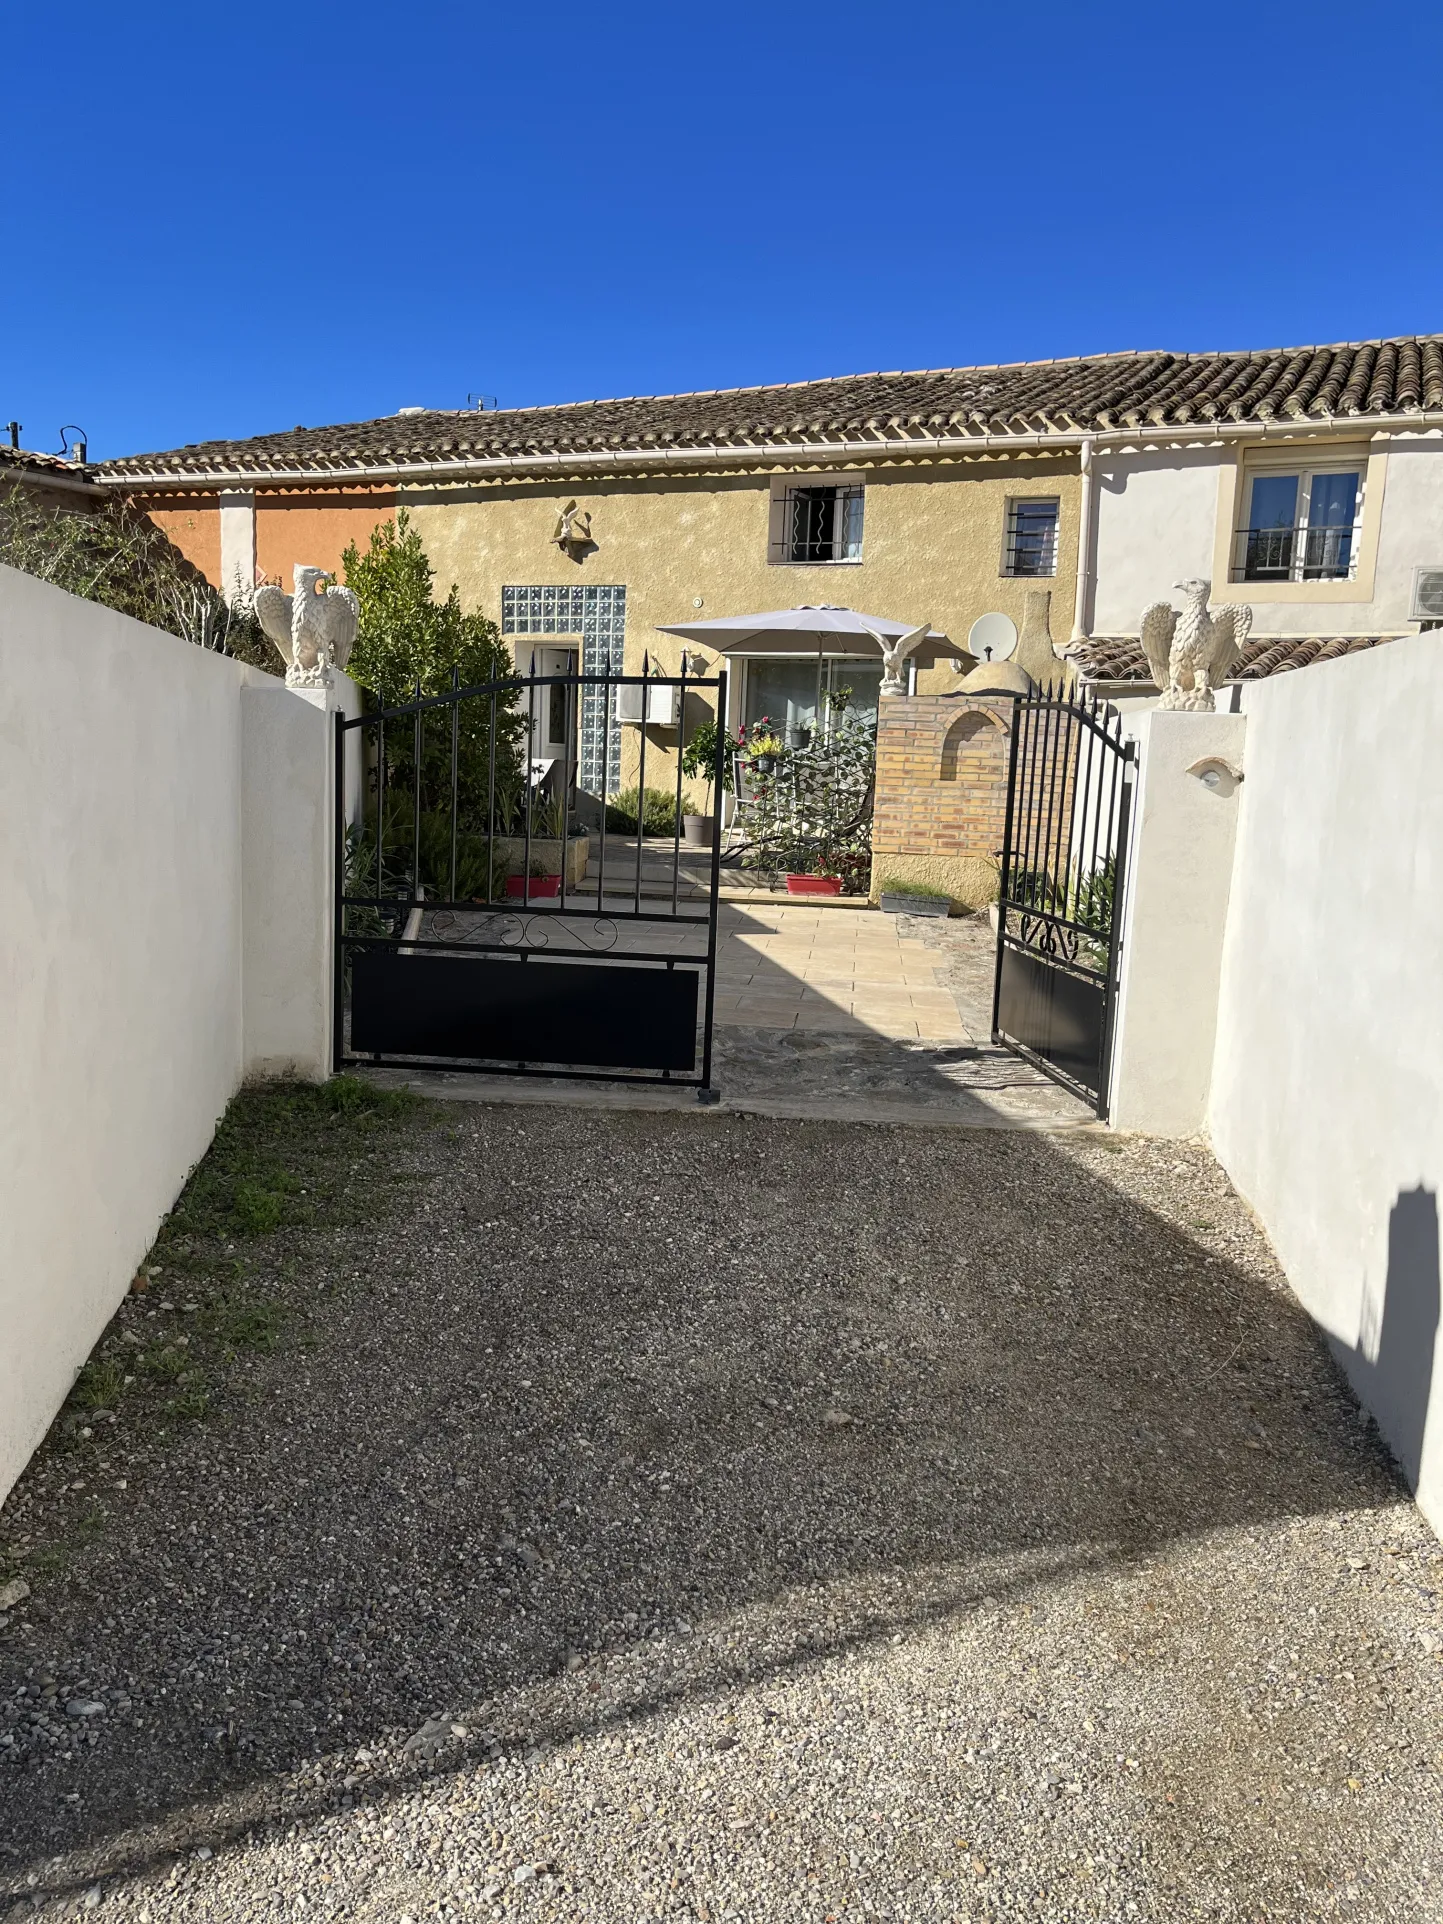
(1086, 516)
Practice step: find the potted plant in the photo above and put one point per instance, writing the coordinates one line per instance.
(762, 745)
(913, 898)
(699, 761)
(823, 879)
(536, 885)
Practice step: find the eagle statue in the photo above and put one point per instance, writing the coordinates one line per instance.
(895, 651)
(313, 628)
(1190, 652)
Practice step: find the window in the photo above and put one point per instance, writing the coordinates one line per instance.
(1301, 526)
(1031, 537)
(822, 524)
(790, 691)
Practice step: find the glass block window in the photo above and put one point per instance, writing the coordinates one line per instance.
(598, 615)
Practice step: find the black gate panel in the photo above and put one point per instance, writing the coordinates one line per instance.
(1063, 874)
(1060, 1016)
(592, 1015)
(492, 914)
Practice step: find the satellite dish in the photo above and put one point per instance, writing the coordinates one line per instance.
(992, 638)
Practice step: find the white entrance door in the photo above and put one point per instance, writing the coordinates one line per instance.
(553, 719)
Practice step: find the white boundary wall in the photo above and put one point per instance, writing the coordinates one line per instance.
(165, 864)
(1326, 1105)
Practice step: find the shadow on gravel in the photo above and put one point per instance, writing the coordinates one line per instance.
(798, 1385)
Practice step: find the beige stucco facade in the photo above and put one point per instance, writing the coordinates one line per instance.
(933, 548)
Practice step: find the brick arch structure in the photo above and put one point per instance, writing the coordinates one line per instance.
(962, 735)
(941, 795)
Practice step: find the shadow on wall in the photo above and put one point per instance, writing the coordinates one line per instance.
(1397, 1385)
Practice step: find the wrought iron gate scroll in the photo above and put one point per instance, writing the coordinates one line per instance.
(487, 916)
(1064, 860)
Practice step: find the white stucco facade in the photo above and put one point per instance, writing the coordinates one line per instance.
(1326, 1105)
(159, 805)
(1184, 821)
(1164, 514)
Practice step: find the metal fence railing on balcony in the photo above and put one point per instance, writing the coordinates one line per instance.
(1294, 554)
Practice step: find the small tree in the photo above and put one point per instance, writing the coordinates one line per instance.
(698, 760)
(406, 636)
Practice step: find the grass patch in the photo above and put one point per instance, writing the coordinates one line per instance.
(164, 1365)
(280, 1160)
(286, 1156)
(890, 885)
(248, 1324)
(192, 1405)
(99, 1384)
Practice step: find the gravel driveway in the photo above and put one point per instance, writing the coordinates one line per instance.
(712, 1517)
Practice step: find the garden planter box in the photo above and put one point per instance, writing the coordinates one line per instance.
(546, 850)
(535, 888)
(814, 885)
(896, 903)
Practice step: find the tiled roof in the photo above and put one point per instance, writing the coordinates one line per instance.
(1121, 658)
(23, 462)
(856, 412)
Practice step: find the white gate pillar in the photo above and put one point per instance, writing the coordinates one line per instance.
(1184, 826)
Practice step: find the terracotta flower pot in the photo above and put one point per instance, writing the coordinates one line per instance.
(814, 885)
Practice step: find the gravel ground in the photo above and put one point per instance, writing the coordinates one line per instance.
(710, 1517)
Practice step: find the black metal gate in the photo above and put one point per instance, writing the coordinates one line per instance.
(491, 915)
(1064, 856)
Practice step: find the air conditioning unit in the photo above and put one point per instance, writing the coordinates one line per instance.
(1427, 594)
(660, 700)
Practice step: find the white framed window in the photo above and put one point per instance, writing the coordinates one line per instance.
(1031, 547)
(794, 694)
(818, 522)
(1300, 524)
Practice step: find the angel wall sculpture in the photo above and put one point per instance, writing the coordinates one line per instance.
(572, 533)
(1191, 652)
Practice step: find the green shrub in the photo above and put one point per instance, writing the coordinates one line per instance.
(660, 812)
(119, 557)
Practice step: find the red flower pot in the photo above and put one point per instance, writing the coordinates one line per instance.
(536, 888)
(814, 885)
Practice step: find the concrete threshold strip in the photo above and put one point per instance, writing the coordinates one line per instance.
(970, 1112)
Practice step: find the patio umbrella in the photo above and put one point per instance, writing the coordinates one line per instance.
(827, 629)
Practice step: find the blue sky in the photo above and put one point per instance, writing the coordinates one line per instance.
(227, 220)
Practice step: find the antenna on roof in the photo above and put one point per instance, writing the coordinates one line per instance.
(15, 430)
(482, 402)
(78, 452)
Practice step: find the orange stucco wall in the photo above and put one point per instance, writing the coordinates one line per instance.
(313, 530)
(193, 523)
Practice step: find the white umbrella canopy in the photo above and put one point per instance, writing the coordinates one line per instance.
(826, 629)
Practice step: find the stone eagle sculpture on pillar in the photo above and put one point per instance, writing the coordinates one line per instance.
(895, 653)
(1190, 652)
(313, 629)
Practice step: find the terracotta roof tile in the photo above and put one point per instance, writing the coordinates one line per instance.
(1120, 658)
(1093, 393)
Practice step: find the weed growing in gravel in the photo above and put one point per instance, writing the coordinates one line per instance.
(193, 1403)
(99, 1384)
(164, 1365)
(242, 1324)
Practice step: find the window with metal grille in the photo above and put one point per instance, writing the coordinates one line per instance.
(1300, 527)
(1031, 537)
(823, 524)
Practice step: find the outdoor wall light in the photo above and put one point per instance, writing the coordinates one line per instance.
(1216, 774)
